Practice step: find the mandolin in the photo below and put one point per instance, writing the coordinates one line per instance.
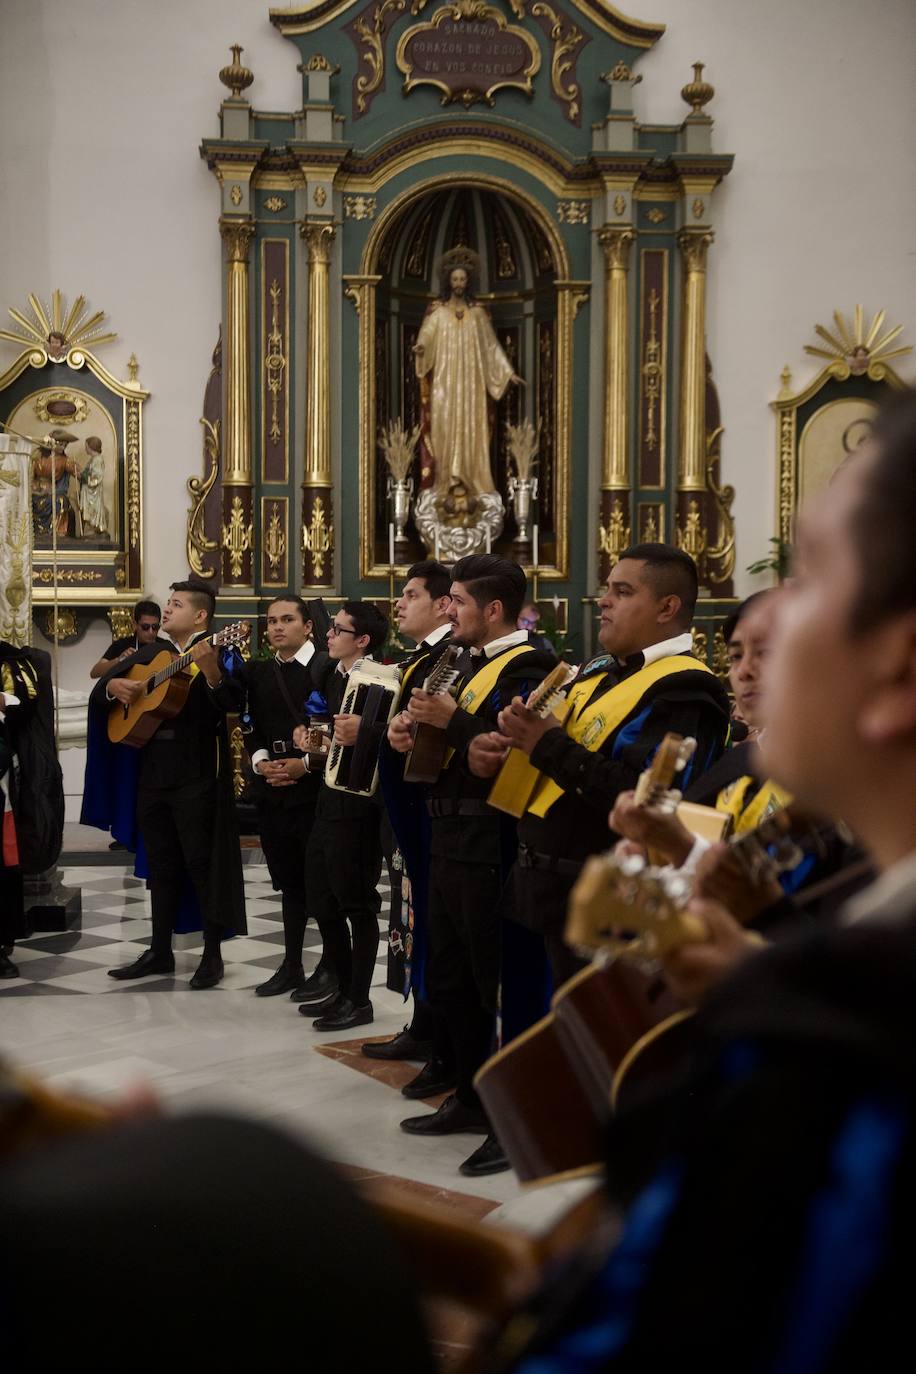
(166, 683)
(516, 780)
(427, 753)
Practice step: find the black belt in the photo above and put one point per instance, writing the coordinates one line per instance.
(283, 748)
(439, 807)
(530, 858)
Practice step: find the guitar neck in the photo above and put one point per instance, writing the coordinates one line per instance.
(544, 697)
(179, 664)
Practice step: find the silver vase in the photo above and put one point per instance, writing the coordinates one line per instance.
(522, 496)
(400, 494)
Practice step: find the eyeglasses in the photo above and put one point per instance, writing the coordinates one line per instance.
(335, 629)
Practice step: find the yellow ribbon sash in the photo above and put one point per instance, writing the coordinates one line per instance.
(591, 721)
(478, 688)
(771, 797)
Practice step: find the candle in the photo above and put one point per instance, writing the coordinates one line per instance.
(488, 539)
(437, 546)
(390, 544)
(534, 548)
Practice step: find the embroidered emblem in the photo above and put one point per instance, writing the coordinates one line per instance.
(596, 665)
(592, 731)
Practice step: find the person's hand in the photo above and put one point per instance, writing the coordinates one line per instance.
(346, 728)
(524, 728)
(515, 380)
(486, 754)
(431, 710)
(125, 690)
(207, 660)
(722, 877)
(400, 733)
(284, 772)
(650, 827)
(127, 653)
(293, 769)
(300, 736)
(694, 969)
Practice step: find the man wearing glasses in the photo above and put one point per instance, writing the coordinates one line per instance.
(147, 619)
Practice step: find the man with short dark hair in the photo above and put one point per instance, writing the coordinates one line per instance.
(185, 800)
(147, 619)
(644, 684)
(472, 846)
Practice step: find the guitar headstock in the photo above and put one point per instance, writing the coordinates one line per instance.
(623, 906)
(548, 692)
(671, 758)
(444, 672)
(231, 636)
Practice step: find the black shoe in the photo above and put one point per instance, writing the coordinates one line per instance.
(321, 986)
(315, 1010)
(7, 968)
(403, 1046)
(434, 1077)
(452, 1118)
(488, 1158)
(116, 844)
(344, 1016)
(209, 972)
(144, 967)
(286, 977)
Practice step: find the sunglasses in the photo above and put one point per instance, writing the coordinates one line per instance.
(142, 626)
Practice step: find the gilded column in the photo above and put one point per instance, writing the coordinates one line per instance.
(614, 529)
(237, 534)
(692, 534)
(317, 484)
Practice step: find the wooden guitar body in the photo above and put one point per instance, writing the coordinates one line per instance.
(138, 722)
(427, 754)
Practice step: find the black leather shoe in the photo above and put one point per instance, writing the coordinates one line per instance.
(315, 1010)
(320, 986)
(344, 1016)
(7, 968)
(488, 1158)
(403, 1046)
(285, 979)
(144, 967)
(452, 1118)
(209, 972)
(435, 1077)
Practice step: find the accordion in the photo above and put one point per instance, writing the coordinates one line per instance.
(372, 694)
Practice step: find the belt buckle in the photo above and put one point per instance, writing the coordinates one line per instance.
(279, 746)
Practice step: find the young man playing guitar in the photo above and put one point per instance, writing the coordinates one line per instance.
(185, 802)
(644, 685)
(471, 846)
(422, 615)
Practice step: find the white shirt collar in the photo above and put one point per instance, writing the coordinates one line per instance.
(303, 655)
(889, 898)
(438, 633)
(164, 634)
(680, 644)
(496, 646)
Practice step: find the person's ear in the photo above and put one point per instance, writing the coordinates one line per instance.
(888, 714)
(669, 609)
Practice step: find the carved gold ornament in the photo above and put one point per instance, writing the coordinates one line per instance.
(565, 38)
(121, 620)
(236, 536)
(235, 76)
(59, 407)
(573, 211)
(132, 411)
(650, 530)
(275, 204)
(697, 93)
(359, 207)
(857, 350)
(656, 216)
(133, 368)
(55, 331)
(652, 372)
(720, 556)
(700, 644)
(237, 750)
(620, 204)
(275, 361)
(720, 664)
(275, 539)
(699, 208)
(615, 536)
(373, 52)
(319, 63)
(235, 195)
(320, 197)
(691, 537)
(460, 13)
(63, 620)
(69, 575)
(318, 538)
(200, 488)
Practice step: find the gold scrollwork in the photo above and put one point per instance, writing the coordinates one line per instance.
(652, 371)
(620, 205)
(359, 207)
(132, 409)
(200, 488)
(69, 398)
(319, 63)
(614, 537)
(320, 197)
(237, 750)
(237, 537)
(121, 620)
(700, 644)
(565, 38)
(720, 556)
(373, 54)
(656, 216)
(573, 211)
(275, 361)
(235, 195)
(468, 11)
(720, 664)
(650, 533)
(275, 539)
(787, 465)
(62, 620)
(46, 575)
(699, 208)
(691, 537)
(318, 538)
(275, 204)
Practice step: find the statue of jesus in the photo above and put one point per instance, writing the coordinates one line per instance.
(462, 370)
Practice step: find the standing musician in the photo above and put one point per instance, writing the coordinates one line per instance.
(622, 704)
(422, 613)
(276, 693)
(185, 801)
(147, 619)
(471, 845)
(344, 856)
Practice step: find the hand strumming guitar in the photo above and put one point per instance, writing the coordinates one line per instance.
(487, 753)
(523, 728)
(431, 709)
(722, 877)
(651, 827)
(694, 969)
(124, 689)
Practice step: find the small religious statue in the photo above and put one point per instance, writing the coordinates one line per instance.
(52, 470)
(858, 360)
(93, 510)
(463, 372)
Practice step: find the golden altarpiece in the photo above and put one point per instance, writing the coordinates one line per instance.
(502, 136)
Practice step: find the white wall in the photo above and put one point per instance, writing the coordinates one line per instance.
(103, 104)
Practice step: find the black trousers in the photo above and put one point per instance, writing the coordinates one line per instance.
(538, 898)
(285, 832)
(343, 866)
(463, 974)
(177, 828)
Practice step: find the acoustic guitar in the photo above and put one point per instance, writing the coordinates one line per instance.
(427, 753)
(166, 683)
(516, 780)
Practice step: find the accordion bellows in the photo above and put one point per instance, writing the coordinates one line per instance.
(372, 694)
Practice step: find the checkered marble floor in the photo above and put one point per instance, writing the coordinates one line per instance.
(116, 928)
